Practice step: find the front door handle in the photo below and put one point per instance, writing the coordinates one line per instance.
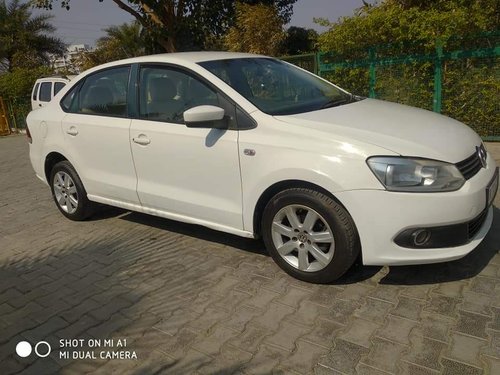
(72, 131)
(142, 140)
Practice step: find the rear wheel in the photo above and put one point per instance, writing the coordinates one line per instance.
(68, 192)
(309, 235)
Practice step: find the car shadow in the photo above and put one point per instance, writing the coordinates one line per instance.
(198, 231)
(460, 269)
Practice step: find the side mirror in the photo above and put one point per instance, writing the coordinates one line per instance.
(205, 116)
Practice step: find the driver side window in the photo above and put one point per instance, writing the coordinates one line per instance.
(166, 93)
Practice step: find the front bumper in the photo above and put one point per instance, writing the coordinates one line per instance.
(381, 215)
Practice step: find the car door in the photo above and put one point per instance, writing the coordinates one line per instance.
(190, 174)
(96, 130)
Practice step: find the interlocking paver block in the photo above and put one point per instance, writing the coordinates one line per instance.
(208, 319)
(483, 285)
(466, 349)
(397, 329)
(265, 360)
(341, 310)
(239, 318)
(305, 357)
(344, 356)
(359, 332)
(212, 344)
(287, 336)
(434, 326)
(454, 368)
(274, 313)
(262, 299)
(293, 297)
(374, 310)
(324, 295)
(443, 305)
(495, 324)
(409, 308)
(230, 361)
(384, 355)
(472, 324)
(424, 352)
(176, 321)
(250, 339)
(307, 313)
(324, 332)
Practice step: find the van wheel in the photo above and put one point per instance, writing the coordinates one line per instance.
(309, 235)
(68, 192)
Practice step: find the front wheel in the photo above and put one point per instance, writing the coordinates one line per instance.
(309, 235)
(68, 192)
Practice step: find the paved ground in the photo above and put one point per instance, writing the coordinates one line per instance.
(191, 300)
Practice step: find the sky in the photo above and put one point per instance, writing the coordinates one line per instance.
(84, 22)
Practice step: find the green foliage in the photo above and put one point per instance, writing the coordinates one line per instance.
(20, 81)
(25, 40)
(300, 40)
(403, 21)
(258, 29)
(178, 25)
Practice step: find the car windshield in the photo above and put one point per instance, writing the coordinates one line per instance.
(275, 87)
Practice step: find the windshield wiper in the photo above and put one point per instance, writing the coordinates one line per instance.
(337, 102)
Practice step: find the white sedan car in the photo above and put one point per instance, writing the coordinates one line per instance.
(254, 146)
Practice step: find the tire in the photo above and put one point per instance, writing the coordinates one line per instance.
(69, 193)
(309, 235)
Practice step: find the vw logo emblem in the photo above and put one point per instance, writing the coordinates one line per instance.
(481, 153)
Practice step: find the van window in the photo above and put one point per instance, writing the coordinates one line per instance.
(35, 91)
(46, 92)
(58, 86)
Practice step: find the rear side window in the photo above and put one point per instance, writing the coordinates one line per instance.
(35, 91)
(58, 86)
(68, 103)
(104, 93)
(45, 92)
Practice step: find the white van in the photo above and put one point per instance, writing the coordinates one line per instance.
(46, 88)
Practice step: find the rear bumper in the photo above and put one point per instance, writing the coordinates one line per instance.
(381, 215)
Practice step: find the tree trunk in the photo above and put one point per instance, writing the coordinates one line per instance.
(168, 43)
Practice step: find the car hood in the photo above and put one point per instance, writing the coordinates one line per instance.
(399, 128)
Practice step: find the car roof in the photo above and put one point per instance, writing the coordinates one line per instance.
(178, 58)
(192, 57)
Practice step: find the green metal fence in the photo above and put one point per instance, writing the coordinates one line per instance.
(459, 77)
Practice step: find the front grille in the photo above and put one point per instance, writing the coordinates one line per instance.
(475, 224)
(470, 166)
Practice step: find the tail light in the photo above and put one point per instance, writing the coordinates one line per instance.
(28, 134)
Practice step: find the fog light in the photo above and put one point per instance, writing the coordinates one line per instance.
(421, 237)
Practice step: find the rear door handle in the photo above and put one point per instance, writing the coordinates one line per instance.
(72, 131)
(142, 140)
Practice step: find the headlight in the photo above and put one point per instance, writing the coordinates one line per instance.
(415, 175)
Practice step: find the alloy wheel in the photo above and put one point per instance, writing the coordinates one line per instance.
(303, 238)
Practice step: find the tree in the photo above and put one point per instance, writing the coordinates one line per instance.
(184, 24)
(25, 40)
(120, 42)
(300, 40)
(414, 21)
(258, 29)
